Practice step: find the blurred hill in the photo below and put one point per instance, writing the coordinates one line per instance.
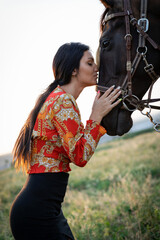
(5, 161)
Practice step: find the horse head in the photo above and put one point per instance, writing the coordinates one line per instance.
(127, 49)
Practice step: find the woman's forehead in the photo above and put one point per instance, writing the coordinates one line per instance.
(88, 55)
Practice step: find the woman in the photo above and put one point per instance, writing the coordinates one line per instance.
(52, 138)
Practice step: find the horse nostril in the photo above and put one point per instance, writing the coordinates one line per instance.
(105, 43)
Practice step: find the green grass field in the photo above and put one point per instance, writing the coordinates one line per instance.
(116, 196)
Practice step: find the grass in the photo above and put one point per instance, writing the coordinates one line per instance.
(116, 196)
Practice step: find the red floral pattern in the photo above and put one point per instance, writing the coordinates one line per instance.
(59, 137)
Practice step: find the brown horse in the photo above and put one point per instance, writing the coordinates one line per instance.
(129, 56)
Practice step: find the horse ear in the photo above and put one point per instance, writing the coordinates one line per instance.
(107, 3)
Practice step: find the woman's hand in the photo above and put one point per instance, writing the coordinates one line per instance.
(104, 104)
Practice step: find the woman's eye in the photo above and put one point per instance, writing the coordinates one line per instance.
(105, 43)
(90, 64)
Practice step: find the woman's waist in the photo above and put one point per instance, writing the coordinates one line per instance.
(47, 185)
(42, 164)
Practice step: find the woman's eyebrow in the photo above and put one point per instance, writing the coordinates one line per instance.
(91, 58)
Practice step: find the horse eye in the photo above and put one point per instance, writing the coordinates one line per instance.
(106, 43)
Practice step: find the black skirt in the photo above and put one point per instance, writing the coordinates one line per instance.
(36, 213)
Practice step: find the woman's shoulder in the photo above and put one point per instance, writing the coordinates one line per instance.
(60, 96)
(56, 94)
(65, 106)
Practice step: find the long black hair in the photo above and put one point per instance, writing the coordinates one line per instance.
(65, 61)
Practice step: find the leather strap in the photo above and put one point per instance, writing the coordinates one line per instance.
(128, 39)
(131, 68)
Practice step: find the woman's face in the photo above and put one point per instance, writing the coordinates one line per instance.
(87, 72)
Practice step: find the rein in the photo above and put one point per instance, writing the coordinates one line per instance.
(142, 26)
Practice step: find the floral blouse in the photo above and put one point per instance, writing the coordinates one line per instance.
(59, 137)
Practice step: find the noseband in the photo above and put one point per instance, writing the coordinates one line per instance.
(142, 26)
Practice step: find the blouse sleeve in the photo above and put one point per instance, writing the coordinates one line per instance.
(79, 143)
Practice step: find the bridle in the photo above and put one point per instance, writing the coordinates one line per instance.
(142, 26)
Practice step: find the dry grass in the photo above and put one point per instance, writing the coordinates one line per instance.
(116, 196)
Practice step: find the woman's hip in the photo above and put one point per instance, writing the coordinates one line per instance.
(37, 208)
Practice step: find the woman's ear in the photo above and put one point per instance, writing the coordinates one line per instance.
(107, 3)
(74, 73)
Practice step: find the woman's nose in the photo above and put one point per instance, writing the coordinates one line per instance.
(96, 67)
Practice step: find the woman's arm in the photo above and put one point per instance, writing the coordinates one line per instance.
(79, 142)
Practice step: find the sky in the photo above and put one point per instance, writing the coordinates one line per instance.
(31, 33)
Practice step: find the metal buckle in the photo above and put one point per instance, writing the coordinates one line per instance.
(144, 24)
(125, 105)
(157, 127)
(147, 113)
(149, 68)
(142, 50)
(128, 35)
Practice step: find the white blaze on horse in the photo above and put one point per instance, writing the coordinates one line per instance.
(129, 56)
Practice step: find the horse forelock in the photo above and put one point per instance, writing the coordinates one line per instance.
(107, 3)
(115, 5)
